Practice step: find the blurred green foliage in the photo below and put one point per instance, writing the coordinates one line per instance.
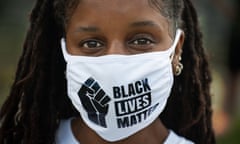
(232, 137)
(13, 24)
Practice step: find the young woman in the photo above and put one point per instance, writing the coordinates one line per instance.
(101, 72)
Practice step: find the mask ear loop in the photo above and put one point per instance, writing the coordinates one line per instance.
(176, 40)
(64, 50)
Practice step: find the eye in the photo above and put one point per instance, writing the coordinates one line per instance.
(91, 44)
(142, 41)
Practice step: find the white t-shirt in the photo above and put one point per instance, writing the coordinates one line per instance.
(64, 135)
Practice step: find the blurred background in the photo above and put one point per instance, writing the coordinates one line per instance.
(219, 20)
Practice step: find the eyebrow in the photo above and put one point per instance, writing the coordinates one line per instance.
(144, 23)
(87, 29)
(134, 24)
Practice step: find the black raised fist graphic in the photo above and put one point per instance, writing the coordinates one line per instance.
(95, 101)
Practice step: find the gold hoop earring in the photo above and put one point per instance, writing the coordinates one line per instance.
(178, 69)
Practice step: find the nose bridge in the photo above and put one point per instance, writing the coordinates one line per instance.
(116, 47)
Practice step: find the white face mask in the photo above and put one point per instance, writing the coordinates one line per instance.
(118, 95)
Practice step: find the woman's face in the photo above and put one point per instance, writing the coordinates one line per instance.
(102, 27)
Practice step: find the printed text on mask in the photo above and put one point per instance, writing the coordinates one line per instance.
(133, 103)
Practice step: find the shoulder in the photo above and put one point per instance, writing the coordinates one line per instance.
(64, 133)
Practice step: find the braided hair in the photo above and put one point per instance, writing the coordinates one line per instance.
(189, 111)
(38, 98)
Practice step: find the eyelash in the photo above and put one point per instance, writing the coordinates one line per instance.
(140, 41)
(89, 41)
(137, 41)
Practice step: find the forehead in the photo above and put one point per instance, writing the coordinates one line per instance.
(115, 4)
(110, 10)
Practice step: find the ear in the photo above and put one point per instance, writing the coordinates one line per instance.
(178, 51)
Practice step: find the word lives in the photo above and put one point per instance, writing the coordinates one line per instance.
(133, 103)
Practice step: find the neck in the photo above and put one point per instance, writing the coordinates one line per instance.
(155, 133)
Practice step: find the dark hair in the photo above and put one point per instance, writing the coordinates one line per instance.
(38, 99)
